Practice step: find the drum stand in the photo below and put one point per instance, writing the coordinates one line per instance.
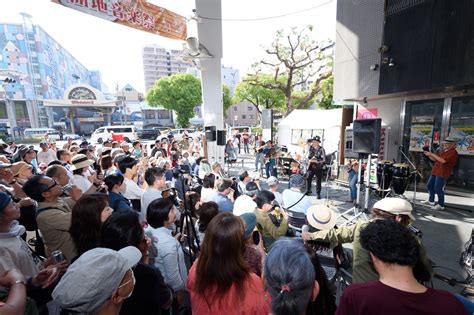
(416, 176)
(356, 210)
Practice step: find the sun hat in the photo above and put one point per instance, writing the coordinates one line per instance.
(17, 167)
(80, 161)
(272, 180)
(93, 277)
(297, 180)
(395, 205)
(250, 221)
(451, 139)
(321, 217)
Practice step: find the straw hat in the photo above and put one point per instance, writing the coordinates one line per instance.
(80, 161)
(321, 217)
(19, 166)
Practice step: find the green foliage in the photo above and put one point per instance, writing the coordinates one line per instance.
(180, 92)
(326, 94)
(226, 99)
(262, 97)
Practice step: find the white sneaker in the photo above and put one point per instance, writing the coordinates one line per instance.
(427, 202)
(438, 207)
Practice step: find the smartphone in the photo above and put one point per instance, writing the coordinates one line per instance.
(256, 237)
(426, 148)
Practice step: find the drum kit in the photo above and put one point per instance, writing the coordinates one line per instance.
(393, 178)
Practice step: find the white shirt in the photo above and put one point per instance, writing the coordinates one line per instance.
(290, 197)
(278, 197)
(206, 194)
(45, 157)
(244, 204)
(80, 182)
(148, 196)
(132, 191)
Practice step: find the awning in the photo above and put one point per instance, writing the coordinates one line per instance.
(80, 103)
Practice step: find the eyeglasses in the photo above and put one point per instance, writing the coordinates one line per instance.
(128, 281)
(55, 183)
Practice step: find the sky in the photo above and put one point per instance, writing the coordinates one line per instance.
(116, 50)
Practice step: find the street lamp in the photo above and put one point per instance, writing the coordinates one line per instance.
(9, 80)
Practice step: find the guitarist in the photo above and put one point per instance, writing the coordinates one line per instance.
(316, 159)
(269, 155)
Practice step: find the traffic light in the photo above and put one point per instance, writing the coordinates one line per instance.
(9, 80)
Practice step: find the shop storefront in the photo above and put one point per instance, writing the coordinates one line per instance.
(426, 123)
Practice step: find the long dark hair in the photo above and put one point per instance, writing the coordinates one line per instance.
(221, 263)
(122, 229)
(85, 221)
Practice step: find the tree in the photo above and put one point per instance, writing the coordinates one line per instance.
(226, 98)
(180, 92)
(325, 102)
(298, 59)
(258, 95)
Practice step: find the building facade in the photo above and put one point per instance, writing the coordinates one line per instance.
(45, 70)
(404, 62)
(241, 114)
(160, 62)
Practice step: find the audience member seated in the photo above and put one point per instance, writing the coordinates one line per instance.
(220, 280)
(13, 299)
(156, 181)
(254, 250)
(396, 209)
(224, 196)
(270, 230)
(98, 282)
(273, 183)
(207, 212)
(22, 171)
(289, 277)
(168, 254)
(53, 215)
(245, 203)
(204, 168)
(88, 214)
(151, 294)
(293, 199)
(207, 190)
(394, 251)
(244, 179)
(116, 186)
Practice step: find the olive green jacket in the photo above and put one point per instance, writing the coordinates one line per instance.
(363, 268)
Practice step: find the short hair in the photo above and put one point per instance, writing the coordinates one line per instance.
(135, 143)
(251, 189)
(207, 212)
(126, 162)
(263, 197)
(55, 162)
(106, 162)
(209, 180)
(223, 184)
(243, 175)
(34, 188)
(152, 174)
(121, 229)
(112, 180)
(158, 211)
(283, 267)
(52, 170)
(390, 242)
(62, 152)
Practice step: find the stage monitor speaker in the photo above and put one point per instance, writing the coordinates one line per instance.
(366, 136)
(221, 136)
(210, 132)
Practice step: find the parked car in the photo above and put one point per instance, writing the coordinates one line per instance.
(150, 134)
(54, 135)
(178, 133)
(119, 133)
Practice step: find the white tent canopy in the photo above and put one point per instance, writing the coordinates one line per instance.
(302, 124)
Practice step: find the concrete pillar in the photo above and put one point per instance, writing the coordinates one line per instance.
(10, 106)
(210, 35)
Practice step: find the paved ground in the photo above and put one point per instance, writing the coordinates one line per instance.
(444, 232)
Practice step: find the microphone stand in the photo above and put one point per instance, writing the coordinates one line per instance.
(416, 176)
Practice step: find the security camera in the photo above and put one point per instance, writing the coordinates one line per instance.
(193, 46)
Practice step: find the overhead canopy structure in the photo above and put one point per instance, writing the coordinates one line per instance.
(81, 95)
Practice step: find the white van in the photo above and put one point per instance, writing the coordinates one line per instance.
(37, 133)
(127, 133)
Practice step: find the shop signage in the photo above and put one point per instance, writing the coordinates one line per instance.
(367, 113)
(91, 119)
(138, 14)
(22, 120)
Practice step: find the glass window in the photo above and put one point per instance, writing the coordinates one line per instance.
(235, 108)
(244, 116)
(461, 126)
(20, 110)
(250, 108)
(3, 111)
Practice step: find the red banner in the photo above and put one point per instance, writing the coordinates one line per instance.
(367, 113)
(138, 14)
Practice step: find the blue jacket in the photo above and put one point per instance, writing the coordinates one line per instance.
(119, 202)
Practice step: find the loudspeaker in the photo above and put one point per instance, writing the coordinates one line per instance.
(210, 132)
(366, 135)
(221, 135)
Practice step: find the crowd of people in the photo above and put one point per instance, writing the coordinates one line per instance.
(127, 229)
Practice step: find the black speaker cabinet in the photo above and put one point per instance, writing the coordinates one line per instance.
(210, 133)
(366, 135)
(221, 135)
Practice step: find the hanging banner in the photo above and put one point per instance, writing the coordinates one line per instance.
(421, 137)
(465, 134)
(138, 14)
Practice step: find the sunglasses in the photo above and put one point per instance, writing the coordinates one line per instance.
(50, 187)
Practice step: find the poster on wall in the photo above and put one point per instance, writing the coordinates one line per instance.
(465, 134)
(367, 113)
(420, 136)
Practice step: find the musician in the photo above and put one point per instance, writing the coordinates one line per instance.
(269, 155)
(442, 169)
(353, 170)
(316, 158)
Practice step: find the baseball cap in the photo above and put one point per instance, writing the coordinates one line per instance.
(321, 217)
(93, 277)
(272, 180)
(250, 221)
(5, 200)
(395, 206)
(296, 180)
